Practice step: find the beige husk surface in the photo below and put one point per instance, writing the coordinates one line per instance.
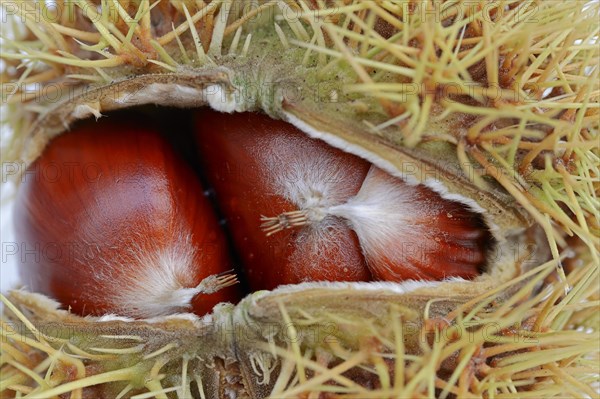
(496, 102)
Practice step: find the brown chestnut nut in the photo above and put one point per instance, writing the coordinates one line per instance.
(115, 222)
(300, 210)
(250, 159)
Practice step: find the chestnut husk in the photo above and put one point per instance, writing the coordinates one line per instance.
(361, 339)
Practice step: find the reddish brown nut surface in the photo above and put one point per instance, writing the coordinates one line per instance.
(259, 166)
(300, 210)
(420, 236)
(115, 222)
(112, 220)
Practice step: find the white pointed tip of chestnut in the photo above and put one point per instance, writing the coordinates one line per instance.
(405, 231)
(216, 282)
(156, 289)
(182, 297)
(433, 184)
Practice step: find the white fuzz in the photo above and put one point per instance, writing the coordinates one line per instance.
(168, 93)
(382, 287)
(154, 279)
(314, 182)
(382, 214)
(149, 284)
(220, 100)
(306, 178)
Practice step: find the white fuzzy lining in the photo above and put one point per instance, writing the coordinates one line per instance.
(316, 182)
(403, 287)
(145, 281)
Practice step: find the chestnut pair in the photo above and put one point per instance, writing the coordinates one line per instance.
(112, 220)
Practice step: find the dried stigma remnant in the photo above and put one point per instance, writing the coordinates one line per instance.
(120, 225)
(338, 218)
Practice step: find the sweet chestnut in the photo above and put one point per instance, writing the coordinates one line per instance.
(300, 210)
(259, 167)
(115, 222)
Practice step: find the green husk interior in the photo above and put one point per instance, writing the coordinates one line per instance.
(510, 86)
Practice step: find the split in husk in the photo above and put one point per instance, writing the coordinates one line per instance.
(494, 104)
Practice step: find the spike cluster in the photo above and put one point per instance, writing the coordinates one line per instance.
(512, 86)
(504, 351)
(517, 72)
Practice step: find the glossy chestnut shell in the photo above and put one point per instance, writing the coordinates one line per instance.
(115, 222)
